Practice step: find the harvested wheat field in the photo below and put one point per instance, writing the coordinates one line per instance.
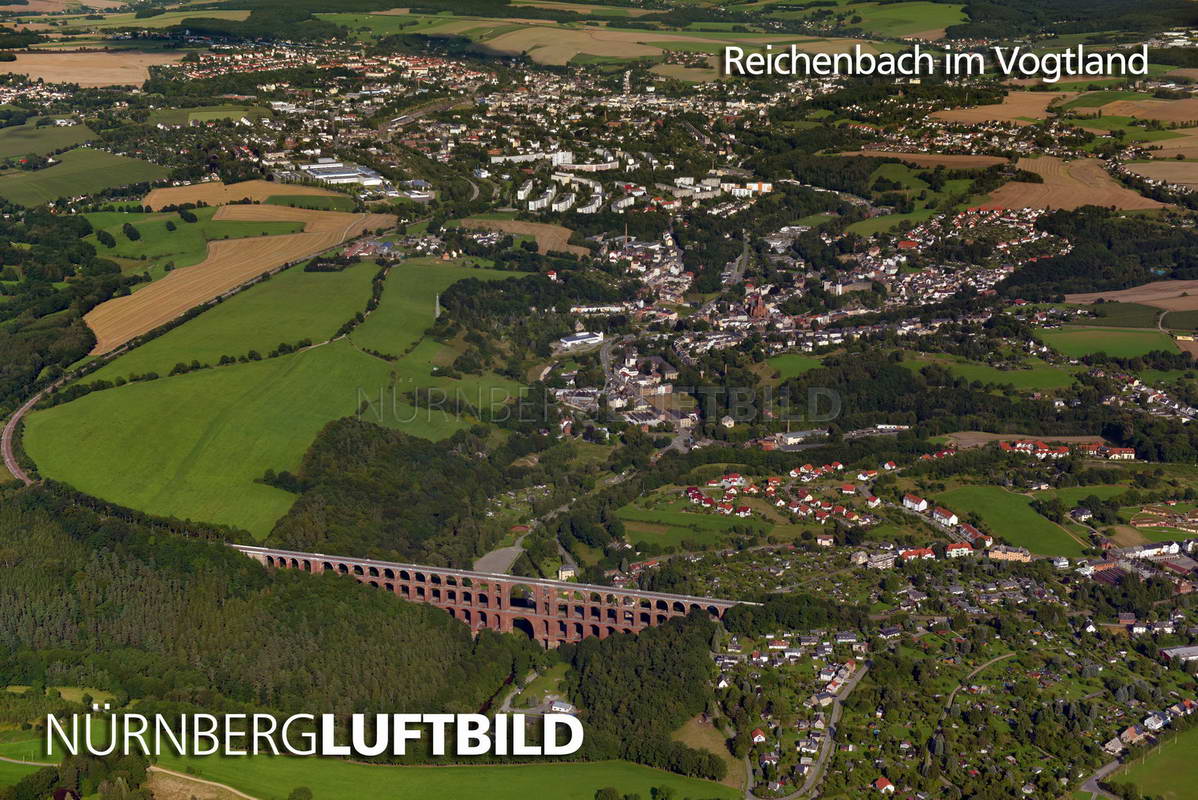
(1068, 185)
(549, 237)
(229, 264)
(1184, 144)
(216, 193)
(933, 159)
(1021, 108)
(547, 45)
(115, 68)
(1163, 110)
(1181, 172)
(1169, 295)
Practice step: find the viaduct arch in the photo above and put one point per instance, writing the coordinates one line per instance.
(550, 612)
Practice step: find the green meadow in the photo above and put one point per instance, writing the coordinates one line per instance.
(291, 306)
(791, 365)
(274, 778)
(80, 171)
(1122, 315)
(184, 246)
(314, 201)
(1077, 341)
(1169, 771)
(1011, 517)
(1035, 375)
(193, 445)
(668, 524)
(21, 140)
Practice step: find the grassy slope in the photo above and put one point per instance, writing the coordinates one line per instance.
(81, 170)
(318, 202)
(21, 140)
(1010, 516)
(186, 245)
(1078, 341)
(291, 306)
(192, 445)
(270, 778)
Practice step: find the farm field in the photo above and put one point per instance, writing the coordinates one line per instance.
(1182, 111)
(1182, 172)
(933, 159)
(409, 302)
(184, 246)
(21, 140)
(1098, 99)
(1067, 185)
(1011, 517)
(273, 778)
(215, 193)
(291, 306)
(124, 68)
(1122, 315)
(228, 265)
(1077, 341)
(1169, 295)
(1017, 107)
(1039, 375)
(549, 237)
(316, 201)
(81, 170)
(193, 445)
(1169, 772)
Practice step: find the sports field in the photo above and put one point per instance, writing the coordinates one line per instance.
(1169, 772)
(79, 171)
(21, 140)
(291, 306)
(1078, 340)
(274, 778)
(1011, 517)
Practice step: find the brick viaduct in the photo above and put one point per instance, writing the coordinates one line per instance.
(550, 612)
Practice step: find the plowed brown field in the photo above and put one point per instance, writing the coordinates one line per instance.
(1067, 185)
(229, 264)
(217, 193)
(1165, 110)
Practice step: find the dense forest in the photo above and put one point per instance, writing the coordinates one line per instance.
(639, 689)
(1109, 251)
(996, 19)
(371, 491)
(96, 600)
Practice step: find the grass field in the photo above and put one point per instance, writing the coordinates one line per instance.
(1169, 772)
(1039, 375)
(292, 305)
(338, 202)
(21, 140)
(1123, 315)
(192, 445)
(1078, 341)
(80, 171)
(11, 773)
(1181, 320)
(1011, 517)
(184, 246)
(274, 778)
(410, 299)
(182, 116)
(791, 365)
(667, 524)
(1097, 99)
